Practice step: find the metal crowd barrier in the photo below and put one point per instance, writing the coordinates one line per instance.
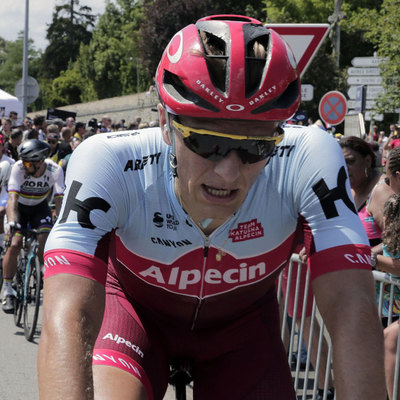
(307, 375)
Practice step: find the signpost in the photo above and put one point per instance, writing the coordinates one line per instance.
(366, 72)
(333, 108)
(303, 39)
(307, 92)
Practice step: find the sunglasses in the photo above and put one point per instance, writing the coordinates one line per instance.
(215, 146)
(52, 141)
(27, 164)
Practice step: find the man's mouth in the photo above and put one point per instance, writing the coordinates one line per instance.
(218, 192)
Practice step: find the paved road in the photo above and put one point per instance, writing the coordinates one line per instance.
(18, 378)
(18, 373)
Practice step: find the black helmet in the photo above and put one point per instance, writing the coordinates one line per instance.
(33, 150)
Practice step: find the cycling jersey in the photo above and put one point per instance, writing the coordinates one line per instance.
(32, 190)
(120, 214)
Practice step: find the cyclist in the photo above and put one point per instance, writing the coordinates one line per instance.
(32, 179)
(169, 241)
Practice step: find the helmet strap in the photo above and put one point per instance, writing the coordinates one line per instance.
(172, 155)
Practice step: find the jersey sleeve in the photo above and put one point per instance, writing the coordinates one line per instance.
(59, 185)
(79, 241)
(15, 180)
(333, 234)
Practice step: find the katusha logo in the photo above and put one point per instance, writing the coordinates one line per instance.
(247, 231)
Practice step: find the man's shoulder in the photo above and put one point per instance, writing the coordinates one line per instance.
(7, 158)
(51, 165)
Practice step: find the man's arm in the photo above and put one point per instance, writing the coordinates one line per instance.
(12, 207)
(72, 315)
(346, 300)
(58, 202)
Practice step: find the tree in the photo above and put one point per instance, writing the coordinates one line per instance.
(154, 37)
(11, 54)
(383, 33)
(109, 63)
(70, 28)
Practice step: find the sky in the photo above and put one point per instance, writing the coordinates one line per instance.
(12, 16)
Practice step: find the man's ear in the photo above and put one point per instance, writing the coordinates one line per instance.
(164, 124)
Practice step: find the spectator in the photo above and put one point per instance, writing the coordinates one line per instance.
(14, 118)
(106, 124)
(132, 126)
(394, 139)
(31, 134)
(40, 124)
(143, 125)
(53, 129)
(75, 142)
(13, 143)
(363, 175)
(6, 126)
(79, 130)
(373, 135)
(52, 140)
(4, 194)
(27, 124)
(64, 143)
(70, 122)
(389, 262)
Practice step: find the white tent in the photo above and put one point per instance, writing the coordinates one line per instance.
(9, 103)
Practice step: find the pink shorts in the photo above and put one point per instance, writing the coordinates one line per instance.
(243, 359)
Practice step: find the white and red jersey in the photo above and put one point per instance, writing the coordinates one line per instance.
(32, 190)
(120, 214)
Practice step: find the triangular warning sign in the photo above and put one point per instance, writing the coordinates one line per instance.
(304, 40)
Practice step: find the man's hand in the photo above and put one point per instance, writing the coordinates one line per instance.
(13, 226)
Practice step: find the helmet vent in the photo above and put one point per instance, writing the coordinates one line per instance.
(257, 49)
(182, 94)
(216, 58)
(284, 101)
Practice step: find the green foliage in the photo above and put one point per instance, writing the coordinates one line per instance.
(69, 28)
(109, 63)
(64, 90)
(155, 36)
(11, 56)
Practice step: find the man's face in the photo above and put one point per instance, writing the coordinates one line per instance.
(6, 126)
(31, 167)
(216, 189)
(70, 122)
(52, 142)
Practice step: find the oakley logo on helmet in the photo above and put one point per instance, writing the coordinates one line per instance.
(262, 96)
(174, 58)
(235, 107)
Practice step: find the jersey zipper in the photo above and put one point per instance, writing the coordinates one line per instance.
(206, 247)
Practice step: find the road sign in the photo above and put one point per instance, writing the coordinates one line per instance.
(304, 40)
(352, 104)
(366, 61)
(364, 80)
(373, 71)
(372, 92)
(307, 92)
(32, 90)
(333, 107)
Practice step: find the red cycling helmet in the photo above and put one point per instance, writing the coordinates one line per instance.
(211, 70)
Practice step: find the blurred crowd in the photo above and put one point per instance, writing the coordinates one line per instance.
(63, 136)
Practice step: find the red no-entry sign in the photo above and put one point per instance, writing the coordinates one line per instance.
(333, 108)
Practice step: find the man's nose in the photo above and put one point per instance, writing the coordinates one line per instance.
(229, 167)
